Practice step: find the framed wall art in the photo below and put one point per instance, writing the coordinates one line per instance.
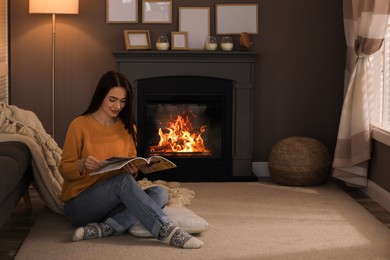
(137, 39)
(119, 11)
(196, 22)
(156, 11)
(236, 18)
(179, 40)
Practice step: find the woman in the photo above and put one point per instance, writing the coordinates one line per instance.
(110, 203)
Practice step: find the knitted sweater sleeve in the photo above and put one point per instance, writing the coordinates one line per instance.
(71, 154)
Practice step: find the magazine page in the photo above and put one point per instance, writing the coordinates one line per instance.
(156, 163)
(144, 165)
(111, 164)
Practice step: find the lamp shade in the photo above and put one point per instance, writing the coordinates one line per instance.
(54, 7)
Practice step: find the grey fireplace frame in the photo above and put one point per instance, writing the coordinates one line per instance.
(236, 65)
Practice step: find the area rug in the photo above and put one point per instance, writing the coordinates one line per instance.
(250, 220)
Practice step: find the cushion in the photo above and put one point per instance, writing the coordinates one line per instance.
(180, 216)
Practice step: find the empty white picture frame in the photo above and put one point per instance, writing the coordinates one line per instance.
(236, 18)
(119, 11)
(196, 22)
(137, 39)
(156, 11)
(179, 40)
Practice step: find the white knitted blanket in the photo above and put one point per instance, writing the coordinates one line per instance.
(21, 125)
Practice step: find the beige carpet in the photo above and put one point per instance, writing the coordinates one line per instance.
(254, 220)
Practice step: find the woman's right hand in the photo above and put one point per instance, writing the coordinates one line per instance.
(91, 163)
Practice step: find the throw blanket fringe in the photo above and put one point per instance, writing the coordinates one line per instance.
(178, 196)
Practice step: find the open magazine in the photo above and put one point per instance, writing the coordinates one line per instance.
(144, 165)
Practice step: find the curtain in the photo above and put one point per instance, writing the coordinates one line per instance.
(365, 24)
(3, 51)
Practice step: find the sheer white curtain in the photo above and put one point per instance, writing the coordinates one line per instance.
(3, 51)
(365, 24)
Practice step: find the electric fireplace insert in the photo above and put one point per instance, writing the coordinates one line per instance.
(187, 119)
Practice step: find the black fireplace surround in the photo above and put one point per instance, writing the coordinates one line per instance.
(217, 83)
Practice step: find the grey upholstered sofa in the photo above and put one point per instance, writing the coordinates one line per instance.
(15, 176)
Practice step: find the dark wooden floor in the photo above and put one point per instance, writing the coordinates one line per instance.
(16, 229)
(366, 202)
(13, 233)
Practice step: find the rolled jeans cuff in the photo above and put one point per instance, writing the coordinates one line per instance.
(155, 229)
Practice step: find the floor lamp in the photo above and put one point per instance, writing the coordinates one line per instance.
(53, 7)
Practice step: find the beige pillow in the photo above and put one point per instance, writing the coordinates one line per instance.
(180, 216)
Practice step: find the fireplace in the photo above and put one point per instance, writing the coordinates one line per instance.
(187, 119)
(207, 95)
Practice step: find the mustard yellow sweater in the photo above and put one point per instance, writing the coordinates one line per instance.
(86, 137)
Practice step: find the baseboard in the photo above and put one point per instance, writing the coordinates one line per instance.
(378, 194)
(260, 169)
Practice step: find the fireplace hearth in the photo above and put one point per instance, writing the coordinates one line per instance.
(194, 108)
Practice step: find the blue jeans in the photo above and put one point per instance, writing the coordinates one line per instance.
(120, 203)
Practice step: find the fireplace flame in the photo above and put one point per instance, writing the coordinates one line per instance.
(180, 137)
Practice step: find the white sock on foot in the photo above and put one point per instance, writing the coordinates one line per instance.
(93, 230)
(180, 238)
(78, 234)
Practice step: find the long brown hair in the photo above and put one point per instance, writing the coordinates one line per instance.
(109, 80)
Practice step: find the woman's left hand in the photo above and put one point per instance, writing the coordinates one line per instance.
(131, 168)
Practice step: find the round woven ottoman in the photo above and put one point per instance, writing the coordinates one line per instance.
(299, 161)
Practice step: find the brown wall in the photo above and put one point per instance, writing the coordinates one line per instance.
(299, 75)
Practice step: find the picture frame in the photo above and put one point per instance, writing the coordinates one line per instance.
(137, 39)
(156, 11)
(196, 22)
(236, 18)
(179, 40)
(119, 11)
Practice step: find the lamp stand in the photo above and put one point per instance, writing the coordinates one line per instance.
(53, 7)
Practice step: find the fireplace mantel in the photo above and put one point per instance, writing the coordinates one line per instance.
(184, 56)
(235, 65)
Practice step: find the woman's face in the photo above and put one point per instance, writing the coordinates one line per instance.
(114, 101)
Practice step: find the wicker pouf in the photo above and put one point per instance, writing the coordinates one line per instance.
(299, 161)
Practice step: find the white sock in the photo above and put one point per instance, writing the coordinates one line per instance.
(175, 236)
(92, 230)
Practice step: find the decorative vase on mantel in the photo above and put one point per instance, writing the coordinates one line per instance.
(227, 43)
(245, 41)
(211, 43)
(162, 43)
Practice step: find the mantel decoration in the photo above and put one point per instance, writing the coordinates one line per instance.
(119, 11)
(162, 43)
(211, 43)
(193, 24)
(196, 22)
(156, 11)
(179, 40)
(227, 43)
(245, 41)
(137, 39)
(236, 18)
